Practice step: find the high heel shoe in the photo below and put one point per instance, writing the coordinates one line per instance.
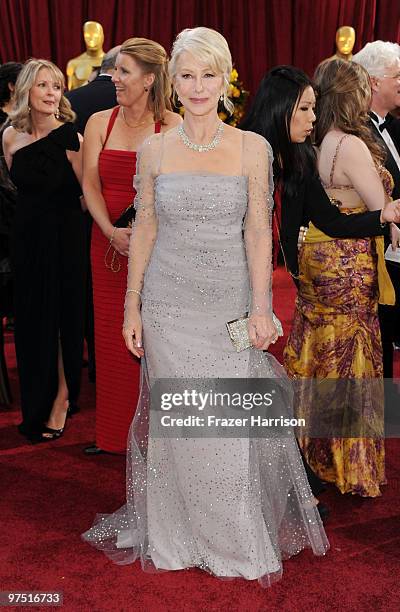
(51, 434)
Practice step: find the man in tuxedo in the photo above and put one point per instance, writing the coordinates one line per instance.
(97, 95)
(382, 62)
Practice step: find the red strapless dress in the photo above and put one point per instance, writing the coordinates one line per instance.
(117, 371)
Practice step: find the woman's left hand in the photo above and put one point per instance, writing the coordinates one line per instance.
(262, 331)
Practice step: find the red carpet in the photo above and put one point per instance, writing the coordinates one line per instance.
(50, 494)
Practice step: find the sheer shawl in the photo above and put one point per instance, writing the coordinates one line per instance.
(271, 492)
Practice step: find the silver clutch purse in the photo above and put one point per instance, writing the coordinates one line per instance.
(239, 332)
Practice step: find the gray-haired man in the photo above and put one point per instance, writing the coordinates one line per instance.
(382, 62)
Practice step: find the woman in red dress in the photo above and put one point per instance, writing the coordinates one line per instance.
(112, 138)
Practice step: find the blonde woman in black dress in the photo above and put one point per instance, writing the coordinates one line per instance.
(42, 151)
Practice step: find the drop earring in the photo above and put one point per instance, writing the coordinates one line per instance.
(57, 114)
(176, 100)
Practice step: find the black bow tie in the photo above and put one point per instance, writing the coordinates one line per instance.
(388, 120)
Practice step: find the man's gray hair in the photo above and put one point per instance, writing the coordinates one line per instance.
(109, 59)
(376, 57)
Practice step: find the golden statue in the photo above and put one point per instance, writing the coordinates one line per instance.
(345, 39)
(79, 68)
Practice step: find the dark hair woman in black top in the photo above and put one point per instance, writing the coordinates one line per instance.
(283, 112)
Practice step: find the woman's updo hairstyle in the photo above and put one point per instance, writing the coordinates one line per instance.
(152, 59)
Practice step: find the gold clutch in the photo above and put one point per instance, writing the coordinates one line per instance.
(239, 332)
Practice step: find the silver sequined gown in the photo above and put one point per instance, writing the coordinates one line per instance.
(234, 507)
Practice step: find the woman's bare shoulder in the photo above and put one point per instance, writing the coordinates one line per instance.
(171, 120)
(101, 117)
(14, 140)
(9, 135)
(347, 142)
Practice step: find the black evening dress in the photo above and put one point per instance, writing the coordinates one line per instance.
(48, 249)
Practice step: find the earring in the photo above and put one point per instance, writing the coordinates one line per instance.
(57, 114)
(29, 109)
(221, 97)
(146, 89)
(175, 99)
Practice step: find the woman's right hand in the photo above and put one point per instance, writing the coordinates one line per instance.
(394, 236)
(132, 332)
(391, 212)
(121, 239)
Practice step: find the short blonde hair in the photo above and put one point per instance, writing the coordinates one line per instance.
(152, 59)
(211, 48)
(20, 115)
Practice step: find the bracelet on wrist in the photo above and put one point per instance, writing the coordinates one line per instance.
(134, 291)
(113, 234)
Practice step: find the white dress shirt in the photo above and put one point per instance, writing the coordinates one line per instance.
(387, 138)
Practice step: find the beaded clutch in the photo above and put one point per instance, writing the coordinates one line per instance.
(111, 259)
(239, 332)
(127, 218)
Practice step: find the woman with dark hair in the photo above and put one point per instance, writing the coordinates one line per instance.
(8, 76)
(283, 112)
(43, 153)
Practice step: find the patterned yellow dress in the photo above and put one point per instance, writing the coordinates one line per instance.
(335, 335)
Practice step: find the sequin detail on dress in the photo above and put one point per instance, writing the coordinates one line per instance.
(234, 507)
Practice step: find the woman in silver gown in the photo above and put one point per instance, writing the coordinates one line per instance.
(236, 506)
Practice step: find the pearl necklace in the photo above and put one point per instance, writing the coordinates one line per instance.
(198, 147)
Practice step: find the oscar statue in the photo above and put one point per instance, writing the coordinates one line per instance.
(80, 68)
(345, 39)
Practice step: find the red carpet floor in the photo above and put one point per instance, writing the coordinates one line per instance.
(50, 494)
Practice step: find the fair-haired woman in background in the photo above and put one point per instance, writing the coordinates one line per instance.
(43, 154)
(112, 138)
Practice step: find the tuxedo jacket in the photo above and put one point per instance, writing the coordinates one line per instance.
(394, 131)
(97, 95)
(313, 204)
